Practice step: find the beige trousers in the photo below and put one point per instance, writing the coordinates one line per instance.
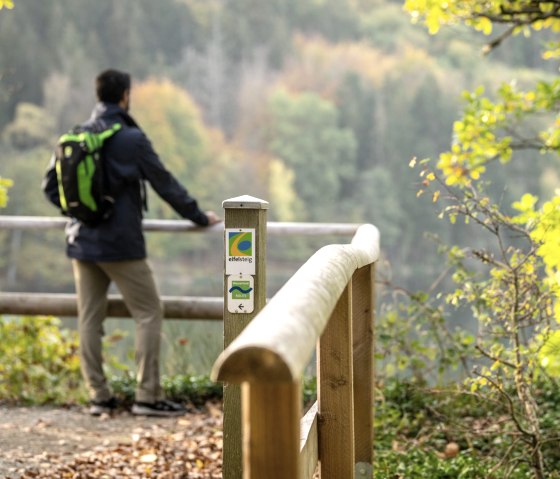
(135, 281)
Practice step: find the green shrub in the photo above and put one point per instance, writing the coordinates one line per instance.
(421, 464)
(415, 423)
(38, 361)
(39, 364)
(194, 389)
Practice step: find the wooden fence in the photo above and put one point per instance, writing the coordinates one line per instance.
(187, 308)
(329, 301)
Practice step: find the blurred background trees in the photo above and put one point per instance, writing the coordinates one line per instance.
(317, 107)
(321, 107)
(254, 98)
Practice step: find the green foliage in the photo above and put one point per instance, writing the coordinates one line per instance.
(176, 123)
(415, 339)
(376, 101)
(416, 427)
(325, 147)
(4, 185)
(188, 388)
(39, 364)
(502, 281)
(491, 130)
(188, 148)
(251, 24)
(32, 126)
(523, 16)
(419, 464)
(190, 348)
(38, 361)
(502, 284)
(31, 260)
(175, 120)
(309, 390)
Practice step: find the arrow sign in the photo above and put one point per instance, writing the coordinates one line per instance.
(241, 294)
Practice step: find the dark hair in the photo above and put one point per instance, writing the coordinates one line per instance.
(110, 86)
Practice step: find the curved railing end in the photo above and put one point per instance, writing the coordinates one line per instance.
(251, 363)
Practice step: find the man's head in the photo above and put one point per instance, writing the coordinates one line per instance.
(113, 86)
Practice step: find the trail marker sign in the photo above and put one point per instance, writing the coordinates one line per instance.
(240, 251)
(241, 294)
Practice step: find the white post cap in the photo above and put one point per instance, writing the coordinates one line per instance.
(245, 202)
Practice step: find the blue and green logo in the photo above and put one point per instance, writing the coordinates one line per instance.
(240, 243)
(240, 290)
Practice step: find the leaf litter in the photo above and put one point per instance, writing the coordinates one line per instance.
(116, 447)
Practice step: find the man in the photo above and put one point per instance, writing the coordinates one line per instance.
(114, 251)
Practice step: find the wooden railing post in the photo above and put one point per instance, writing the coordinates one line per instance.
(244, 296)
(335, 393)
(363, 310)
(271, 416)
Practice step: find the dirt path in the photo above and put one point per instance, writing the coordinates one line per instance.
(46, 442)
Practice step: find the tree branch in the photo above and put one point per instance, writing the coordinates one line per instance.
(493, 358)
(511, 406)
(518, 18)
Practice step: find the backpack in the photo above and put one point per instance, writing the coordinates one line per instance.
(82, 178)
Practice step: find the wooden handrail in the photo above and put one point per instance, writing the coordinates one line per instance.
(268, 359)
(277, 344)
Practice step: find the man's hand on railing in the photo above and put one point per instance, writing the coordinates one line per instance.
(213, 218)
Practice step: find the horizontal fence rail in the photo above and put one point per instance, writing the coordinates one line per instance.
(273, 228)
(65, 305)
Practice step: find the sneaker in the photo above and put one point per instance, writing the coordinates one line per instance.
(97, 408)
(163, 408)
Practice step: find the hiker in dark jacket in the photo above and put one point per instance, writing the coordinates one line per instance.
(115, 251)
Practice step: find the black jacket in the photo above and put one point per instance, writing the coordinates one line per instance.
(130, 159)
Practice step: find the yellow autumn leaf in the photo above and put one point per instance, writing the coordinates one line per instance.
(432, 22)
(484, 25)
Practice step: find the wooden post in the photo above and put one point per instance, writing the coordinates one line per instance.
(246, 213)
(335, 391)
(271, 416)
(363, 311)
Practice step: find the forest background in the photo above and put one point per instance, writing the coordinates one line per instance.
(316, 106)
(328, 109)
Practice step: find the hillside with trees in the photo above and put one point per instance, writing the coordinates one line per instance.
(236, 84)
(435, 121)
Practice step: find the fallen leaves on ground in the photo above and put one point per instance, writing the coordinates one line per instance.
(192, 451)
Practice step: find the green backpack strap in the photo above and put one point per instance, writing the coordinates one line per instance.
(95, 140)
